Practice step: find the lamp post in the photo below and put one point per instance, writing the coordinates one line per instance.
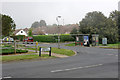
(58, 31)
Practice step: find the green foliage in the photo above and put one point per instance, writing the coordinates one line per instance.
(115, 16)
(20, 37)
(74, 31)
(30, 32)
(52, 38)
(39, 24)
(11, 51)
(44, 38)
(35, 25)
(8, 25)
(42, 23)
(64, 38)
(96, 23)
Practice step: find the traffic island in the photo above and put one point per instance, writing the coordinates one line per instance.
(55, 52)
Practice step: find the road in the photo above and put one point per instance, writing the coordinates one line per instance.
(88, 63)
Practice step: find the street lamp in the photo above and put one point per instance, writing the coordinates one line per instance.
(57, 18)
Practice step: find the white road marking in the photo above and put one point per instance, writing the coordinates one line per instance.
(77, 68)
(56, 70)
(6, 77)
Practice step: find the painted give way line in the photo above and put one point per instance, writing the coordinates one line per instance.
(90, 66)
(5, 77)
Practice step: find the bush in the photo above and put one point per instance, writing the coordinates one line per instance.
(20, 37)
(65, 38)
(52, 38)
(44, 38)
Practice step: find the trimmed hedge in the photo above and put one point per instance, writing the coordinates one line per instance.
(52, 38)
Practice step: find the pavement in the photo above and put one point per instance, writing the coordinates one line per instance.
(90, 62)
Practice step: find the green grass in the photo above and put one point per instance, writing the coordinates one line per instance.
(71, 44)
(34, 48)
(58, 51)
(63, 51)
(116, 46)
(31, 56)
(24, 57)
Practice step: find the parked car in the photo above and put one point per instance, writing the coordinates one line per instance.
(28, 40)
(8, 39)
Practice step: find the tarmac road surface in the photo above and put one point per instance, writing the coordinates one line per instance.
(90, 62)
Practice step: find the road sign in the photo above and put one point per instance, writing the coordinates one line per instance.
(45, 49)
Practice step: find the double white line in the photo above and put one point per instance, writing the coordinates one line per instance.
(76, 68)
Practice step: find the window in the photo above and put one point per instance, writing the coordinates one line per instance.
(21, 31)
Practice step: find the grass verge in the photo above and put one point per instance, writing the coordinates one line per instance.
(113, 46)
(24, 57)
(59, 51)
(32, 56)
(63, 51)
(71, 44)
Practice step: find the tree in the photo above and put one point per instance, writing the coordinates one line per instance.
(42, 23)
(74, 31)
(96, 23)
(35, 25)
(8, 25)
(54, 25)
(115, 16)
(30, 32)
(0, 26)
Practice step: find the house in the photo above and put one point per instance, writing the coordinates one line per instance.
(21, 32)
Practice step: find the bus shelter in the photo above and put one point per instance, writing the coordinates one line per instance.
(81, 39)
(95, 40)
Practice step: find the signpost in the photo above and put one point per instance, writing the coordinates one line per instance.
(15, 46)
(45, 49)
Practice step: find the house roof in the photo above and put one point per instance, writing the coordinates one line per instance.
(17, 30)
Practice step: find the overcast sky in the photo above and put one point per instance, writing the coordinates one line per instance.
(25, 12)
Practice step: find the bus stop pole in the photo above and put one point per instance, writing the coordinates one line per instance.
(50, 52)
(40, 52)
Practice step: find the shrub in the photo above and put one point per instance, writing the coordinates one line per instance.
(11, 51)
(52, 38)
(20, 37)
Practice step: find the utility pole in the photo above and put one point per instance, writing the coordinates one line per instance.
(58, 31)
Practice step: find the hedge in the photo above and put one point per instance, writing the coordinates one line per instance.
(11, 51)
(52, 38)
